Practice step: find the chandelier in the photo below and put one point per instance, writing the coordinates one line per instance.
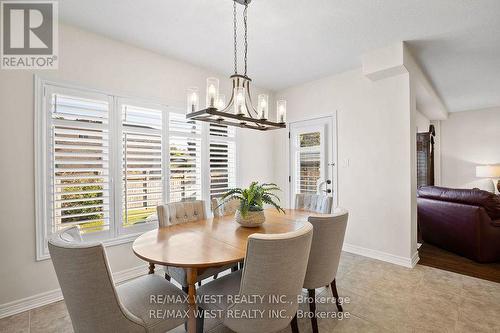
(239, 111)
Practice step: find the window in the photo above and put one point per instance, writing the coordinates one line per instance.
(309, 162)
(79, 152)
(185, 159)
(222, 159)
(104, 162)
(142, 164)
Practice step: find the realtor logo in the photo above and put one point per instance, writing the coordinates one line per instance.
(29, 33)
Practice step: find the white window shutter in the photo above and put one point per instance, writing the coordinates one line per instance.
(79, 174)
(222, 159)
(142, 182)
(185, 158)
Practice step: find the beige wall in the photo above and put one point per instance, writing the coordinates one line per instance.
(375, 132)
(468, 139)
(92, 61)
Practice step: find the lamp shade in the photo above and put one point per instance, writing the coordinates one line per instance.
(488, 171)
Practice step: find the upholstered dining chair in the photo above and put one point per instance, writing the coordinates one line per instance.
(268, 273)
(94, 303)
(183, 212)
(324, 257)
(227, 208)
(318, 203)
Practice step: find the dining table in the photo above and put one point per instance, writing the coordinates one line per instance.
(210, 242)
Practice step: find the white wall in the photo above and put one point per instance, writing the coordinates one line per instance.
(375, 134)
(468, 139)
(88, 60)
(422, 122)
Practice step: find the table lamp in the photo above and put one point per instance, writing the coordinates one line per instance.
(489, 171)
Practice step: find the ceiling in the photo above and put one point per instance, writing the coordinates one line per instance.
(457, 42)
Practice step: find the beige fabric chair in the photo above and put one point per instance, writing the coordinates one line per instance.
(265, 254)
(314, 202)
(325, 253)
(228, 208)
(183, 212)
(93, 302)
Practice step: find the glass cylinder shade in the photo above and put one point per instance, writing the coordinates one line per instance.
(263, 105)
(239, 101)
(281, 111)
(221, 102)
(192, 100)
(212, 91)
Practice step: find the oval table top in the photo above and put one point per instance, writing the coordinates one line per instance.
(210, 242)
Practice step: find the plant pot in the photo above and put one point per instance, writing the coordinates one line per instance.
(251, 220)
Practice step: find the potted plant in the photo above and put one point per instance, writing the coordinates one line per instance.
(252, 200)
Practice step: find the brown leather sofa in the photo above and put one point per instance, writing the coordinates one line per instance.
(466, 222)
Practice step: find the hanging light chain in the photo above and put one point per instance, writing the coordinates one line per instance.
(246, 34)
(235, 26)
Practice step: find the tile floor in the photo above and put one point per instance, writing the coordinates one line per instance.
(383, 298)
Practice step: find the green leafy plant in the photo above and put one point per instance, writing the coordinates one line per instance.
(254, 197)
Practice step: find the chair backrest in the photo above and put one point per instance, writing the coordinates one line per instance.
(228, 208)
(85, 279)
(326, 248)
(275, 267)
(180, 212)
(314, 202)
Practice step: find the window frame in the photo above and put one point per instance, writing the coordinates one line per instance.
(117, 233)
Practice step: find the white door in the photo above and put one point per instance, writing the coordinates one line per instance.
(313, 157)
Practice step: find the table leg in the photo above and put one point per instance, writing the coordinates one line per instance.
(151, 268)
(192, 276)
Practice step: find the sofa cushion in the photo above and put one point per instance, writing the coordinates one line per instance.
(475, 197)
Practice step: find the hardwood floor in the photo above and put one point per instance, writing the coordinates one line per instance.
(435, 257)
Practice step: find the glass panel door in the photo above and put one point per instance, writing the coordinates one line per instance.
(312, 166)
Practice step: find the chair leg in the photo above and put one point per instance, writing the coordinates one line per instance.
(200, 320)
(295, 325)
(234, 268)
(199, 284)
(312, 308)
(185, 289)
(216, 276)
(167, 277)
(336, 295)
(241, 264)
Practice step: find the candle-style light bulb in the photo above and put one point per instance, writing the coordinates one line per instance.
(212, 91)
(262, 106)
(281, 111)
(192, 100)
(239, 101)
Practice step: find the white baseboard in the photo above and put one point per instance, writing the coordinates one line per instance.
(414, 259)
(379, 255)
(35, 301)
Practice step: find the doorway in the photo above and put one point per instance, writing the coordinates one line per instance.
(313, 157)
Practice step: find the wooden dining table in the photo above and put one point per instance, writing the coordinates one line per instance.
(211, 242)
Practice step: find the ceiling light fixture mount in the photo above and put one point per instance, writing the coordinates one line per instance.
(239, 112)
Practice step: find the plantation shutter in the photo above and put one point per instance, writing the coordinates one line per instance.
(222, 159)
(79, 162)
(185, 158)
(142, 164)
